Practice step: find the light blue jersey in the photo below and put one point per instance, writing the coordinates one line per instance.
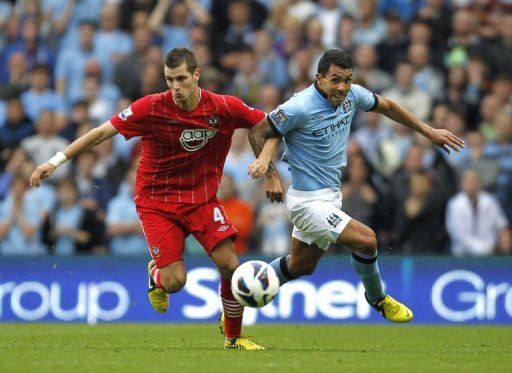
(316, 135)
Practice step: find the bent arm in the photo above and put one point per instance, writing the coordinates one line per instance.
(265, 144)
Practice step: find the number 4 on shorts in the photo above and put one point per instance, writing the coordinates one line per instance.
(217, 216)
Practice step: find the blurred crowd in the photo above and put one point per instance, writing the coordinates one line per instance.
(68, 65)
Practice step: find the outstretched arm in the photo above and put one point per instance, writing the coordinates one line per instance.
(441, 137)
(265, 144)
(89, 140)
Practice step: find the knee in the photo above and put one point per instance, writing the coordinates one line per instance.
(173, 282)
(226, 269)
(368, 244)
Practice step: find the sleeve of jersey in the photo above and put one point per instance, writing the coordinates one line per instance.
(132, 121)
(365, 99)
(243, 115)
(286, 117)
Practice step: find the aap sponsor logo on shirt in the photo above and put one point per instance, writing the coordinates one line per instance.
(125, 113)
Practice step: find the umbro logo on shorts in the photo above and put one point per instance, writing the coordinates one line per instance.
(223, 228)
(333, 220)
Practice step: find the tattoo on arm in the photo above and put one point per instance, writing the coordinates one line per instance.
(271, 167)
(259, 134)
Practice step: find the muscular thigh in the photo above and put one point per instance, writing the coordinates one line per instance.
(209, 224)
(358, 236)
(304, 256)
(163, 236)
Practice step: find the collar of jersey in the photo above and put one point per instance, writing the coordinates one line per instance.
(322, 93)
(198, 102)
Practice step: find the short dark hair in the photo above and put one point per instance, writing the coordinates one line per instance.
(177, 56)
(336, 57)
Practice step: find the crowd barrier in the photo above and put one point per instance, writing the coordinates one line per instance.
(113, 289)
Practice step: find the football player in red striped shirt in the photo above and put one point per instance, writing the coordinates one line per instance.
(186, 134)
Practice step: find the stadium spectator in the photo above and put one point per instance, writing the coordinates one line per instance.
(122, 222)
(366, 70)
(130, 10)
(72, 62)
(486, 167)
(70, 228)
(501, 149)
(370, 26)
(474, 219)
(45, 142)
(246, 81)
(273, 229)
(111, 42)
(360, 198)
(237, 161)
(405, 92)
(240, 211)
(272, 68)
(31, 46)
(17, 80)
(345, 33)
(19, 222)
(329, 14)
(17, 126)
(416, 227)
(270, 96)
(426, 76)
(127, 72)
(238, 37)
(40, 96)
(393, 48)
(438, 15)
(454, 122)
(94, 193)
(370, 134)
(292, 40)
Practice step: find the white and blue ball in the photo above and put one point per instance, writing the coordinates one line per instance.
(254, 284)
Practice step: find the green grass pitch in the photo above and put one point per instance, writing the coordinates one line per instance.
(290, 348)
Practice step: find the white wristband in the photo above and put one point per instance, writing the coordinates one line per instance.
(58, 159)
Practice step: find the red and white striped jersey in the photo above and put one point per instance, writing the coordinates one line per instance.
(183, 153)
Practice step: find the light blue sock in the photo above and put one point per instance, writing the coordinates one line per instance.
(280, 265)
(368, 271)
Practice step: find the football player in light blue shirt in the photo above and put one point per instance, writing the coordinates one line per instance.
(315, 125)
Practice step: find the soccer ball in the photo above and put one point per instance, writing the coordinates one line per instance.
(254, 284)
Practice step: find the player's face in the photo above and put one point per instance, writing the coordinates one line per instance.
(181, 82)
(335, 84)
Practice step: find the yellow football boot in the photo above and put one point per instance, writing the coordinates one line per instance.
(393, 310)
(222, 324)
(241, 343)
(158, 298)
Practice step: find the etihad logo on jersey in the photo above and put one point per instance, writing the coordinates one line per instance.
(332, 128)
(194, 139)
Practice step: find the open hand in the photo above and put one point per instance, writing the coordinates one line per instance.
(41, 172)
(445, 140)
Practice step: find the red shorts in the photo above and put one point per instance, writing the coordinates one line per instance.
(165, 227)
